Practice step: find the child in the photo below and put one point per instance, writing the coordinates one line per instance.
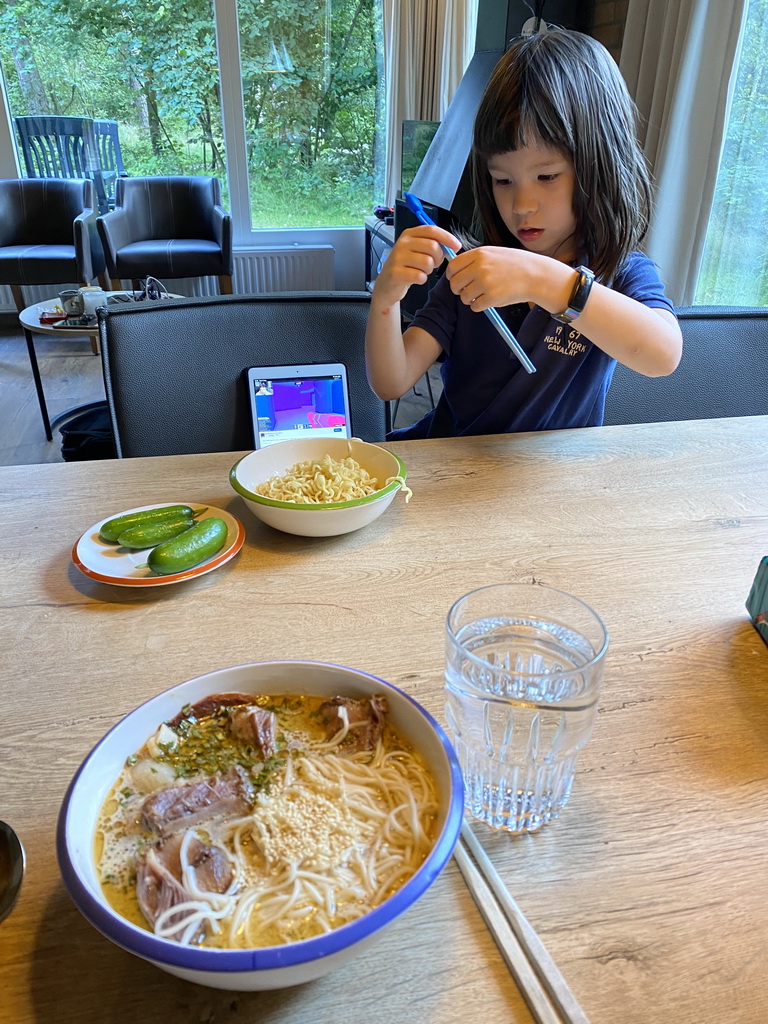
(562, 199)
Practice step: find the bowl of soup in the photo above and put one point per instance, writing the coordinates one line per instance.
(319, 487)
(259, 826)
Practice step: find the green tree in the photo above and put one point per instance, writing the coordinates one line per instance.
(309, 89)
(734, 268)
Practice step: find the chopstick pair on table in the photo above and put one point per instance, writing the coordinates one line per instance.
(538, 978)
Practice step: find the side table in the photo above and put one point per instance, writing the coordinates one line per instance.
(29, 319)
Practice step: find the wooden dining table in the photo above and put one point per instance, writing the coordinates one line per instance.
(649, 892)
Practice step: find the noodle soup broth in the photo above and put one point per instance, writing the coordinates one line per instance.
(252, 821)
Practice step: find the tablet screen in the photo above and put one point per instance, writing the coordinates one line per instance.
(291, 402)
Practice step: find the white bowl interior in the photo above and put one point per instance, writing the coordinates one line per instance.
(260, 465)
(315, 520)
(277, 966)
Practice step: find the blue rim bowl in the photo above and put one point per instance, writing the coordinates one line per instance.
(274, 966)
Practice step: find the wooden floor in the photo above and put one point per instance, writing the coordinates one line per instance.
(72, 377)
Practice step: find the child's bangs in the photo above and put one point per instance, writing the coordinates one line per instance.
(541, 123)
(523, 126)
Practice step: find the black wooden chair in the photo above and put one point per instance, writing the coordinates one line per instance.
(723, 371)
(168, 228)
(110, 155)
(173, 369)
(62, 147)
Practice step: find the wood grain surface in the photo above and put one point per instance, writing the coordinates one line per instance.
(649, 892)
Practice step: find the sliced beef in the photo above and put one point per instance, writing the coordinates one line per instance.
(159, 877)
(256, 727)
(213, 870)
(209, 706)
(157, 889)
(176, 807)
(366, 720)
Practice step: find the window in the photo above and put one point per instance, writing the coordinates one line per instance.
(276, 98)
(309, 97)
(150, 68)
(734, 268)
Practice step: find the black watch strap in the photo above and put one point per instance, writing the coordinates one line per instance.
(579, 296)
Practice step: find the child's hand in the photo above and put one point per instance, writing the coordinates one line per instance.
(494, 276)
(415, 254)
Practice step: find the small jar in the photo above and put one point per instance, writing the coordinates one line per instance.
(93, 296)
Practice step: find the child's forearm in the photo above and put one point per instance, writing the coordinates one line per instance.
(385, 359)
(394, 360)
(644, 338)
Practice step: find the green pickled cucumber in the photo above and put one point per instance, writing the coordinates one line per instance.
(112, 529)
(190, 548)
(150, 536)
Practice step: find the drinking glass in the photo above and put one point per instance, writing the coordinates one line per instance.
(71, 301)
(524, 667)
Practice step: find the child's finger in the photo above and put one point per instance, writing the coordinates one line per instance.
(434, 233)
(460, 276)
(401, 272)
(423, 262)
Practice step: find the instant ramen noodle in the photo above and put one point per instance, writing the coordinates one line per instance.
(320, 481)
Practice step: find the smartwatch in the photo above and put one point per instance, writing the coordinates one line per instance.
(579, 296)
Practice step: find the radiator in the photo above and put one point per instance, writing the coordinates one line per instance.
(288, 268)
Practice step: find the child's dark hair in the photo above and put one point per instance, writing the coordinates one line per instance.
(564, 90)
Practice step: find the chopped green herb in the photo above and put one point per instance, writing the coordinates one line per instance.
(205, 747)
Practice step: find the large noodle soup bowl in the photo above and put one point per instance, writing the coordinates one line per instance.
(273, 966)
(316, 520)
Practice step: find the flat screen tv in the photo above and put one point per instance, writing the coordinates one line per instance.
(417, 135)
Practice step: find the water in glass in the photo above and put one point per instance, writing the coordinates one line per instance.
(521, 701)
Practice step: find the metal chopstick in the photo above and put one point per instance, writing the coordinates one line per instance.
(543, 986)
(520, 967)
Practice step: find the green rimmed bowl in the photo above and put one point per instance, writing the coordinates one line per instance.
(326, 520)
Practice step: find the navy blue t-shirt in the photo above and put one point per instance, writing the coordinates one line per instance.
(487, 391)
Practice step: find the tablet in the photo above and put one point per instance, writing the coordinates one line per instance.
(308, 400)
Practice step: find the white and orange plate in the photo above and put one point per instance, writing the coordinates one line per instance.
(111, 563)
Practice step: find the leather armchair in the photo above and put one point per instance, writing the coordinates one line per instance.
(47, 236)
(48, 233)
(168, 228)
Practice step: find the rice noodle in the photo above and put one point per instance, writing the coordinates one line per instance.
(333, 835)
(379, 797)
